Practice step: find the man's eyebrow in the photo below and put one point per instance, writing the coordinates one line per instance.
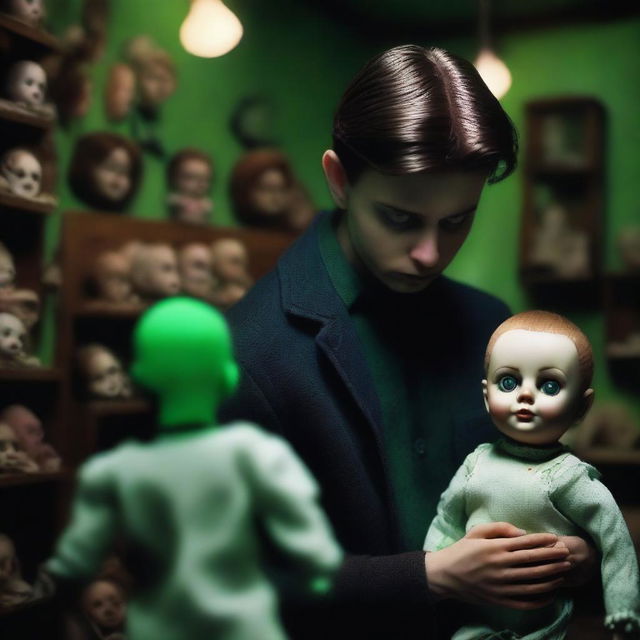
(471, 209)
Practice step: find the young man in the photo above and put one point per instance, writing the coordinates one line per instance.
(367, 359)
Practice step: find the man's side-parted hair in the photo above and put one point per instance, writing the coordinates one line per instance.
(413, 109)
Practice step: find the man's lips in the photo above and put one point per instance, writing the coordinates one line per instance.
(524, 415)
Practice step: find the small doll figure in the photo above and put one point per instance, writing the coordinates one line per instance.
(196, 502)
(230, 263)
(104, 606)
(105, 171)
(31, 12)
(102, 373)
(539, 367)
(154, 271)
(120, 92)
(26, 86)
(12, 458)
(13, 589)
(194, 265)
(189, 175)
(110, 279)
(30, 434)
(13, 336)
(7, 270)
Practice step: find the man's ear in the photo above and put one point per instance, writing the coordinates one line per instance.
(336, 178)
(585, 404)
(485, 395)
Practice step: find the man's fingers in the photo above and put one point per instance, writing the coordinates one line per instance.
(494, 530)
(524, 590)
(536, 556)
(536, 572)
(531, 541)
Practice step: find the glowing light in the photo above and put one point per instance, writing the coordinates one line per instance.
(494, 72)
(210, 29)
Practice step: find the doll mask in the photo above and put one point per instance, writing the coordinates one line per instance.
(120, 92)
(103, 372)
(12, 458)
(111, 277)
(7, 268)
(270, 193)
(26, 83)
(194, 262)
(230, 261)
(193, 178)
(112, 175)
(23, 173)
(154, 271)
(104, 605)
(12, 336)
(30, 11)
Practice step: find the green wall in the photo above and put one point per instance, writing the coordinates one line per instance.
(302, 61)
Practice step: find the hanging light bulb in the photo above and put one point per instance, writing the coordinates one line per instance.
(210, 29)
(491, 69)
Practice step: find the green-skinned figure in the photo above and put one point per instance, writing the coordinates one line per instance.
(186, 504)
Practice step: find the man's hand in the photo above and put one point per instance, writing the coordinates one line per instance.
(584, 559)
(497, 563)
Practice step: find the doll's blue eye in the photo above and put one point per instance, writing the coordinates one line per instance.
(550, 387)
(507, 383)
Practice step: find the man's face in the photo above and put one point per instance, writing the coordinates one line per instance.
(405, 230)
(532, 390)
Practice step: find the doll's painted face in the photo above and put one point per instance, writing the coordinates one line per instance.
(104, 374)
(23, 172)
(533, 385)
(230, 260)
(120, 92)
(157, 83)
(112, 175)
(27, 83)
(112, 277)
(193, 178)
(155, 271)
(103, 602)
(12, 335)
(195, 269)
(405, 230)
(30, 11)
(26, 425)
(10, 453)
(270, 193)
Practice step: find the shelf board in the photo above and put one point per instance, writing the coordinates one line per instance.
(23, 479)
(35, 374)
(35, 34)
(25, 117)
(10, 201)
(104, 408)
(98, 309)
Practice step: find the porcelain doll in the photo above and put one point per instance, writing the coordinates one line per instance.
(12, 458)
(538, 374)
(195, 267)
(28, 429)
(120, 92)
(197, 502)
(13, 589)
(105, 170)
(7, 269)
(154, 272)
(104, 606)
(21, 173)
(32, 12)
(189, 175)
(13, 338)
(110, 279)
(102, 373)
(26, 87)
(230, 265)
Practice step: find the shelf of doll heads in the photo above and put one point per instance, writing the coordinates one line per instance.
(561, 231)
(113, 267)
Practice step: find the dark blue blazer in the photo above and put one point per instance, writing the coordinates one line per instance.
(304, 376)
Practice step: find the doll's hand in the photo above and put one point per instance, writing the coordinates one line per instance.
(497, 563)
(584, 561)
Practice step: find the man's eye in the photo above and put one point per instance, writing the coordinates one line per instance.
(397, 219)
(456, 222)
(550, 387)
(507, 383)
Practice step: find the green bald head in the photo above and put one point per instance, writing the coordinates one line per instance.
(183, 354)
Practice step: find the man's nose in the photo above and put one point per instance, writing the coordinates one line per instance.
(425, 252)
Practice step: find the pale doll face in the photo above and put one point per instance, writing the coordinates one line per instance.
(12, 334)
(533, 386)
(120, 92)
(27, 83)
(157, 83)
(7, 559)
(30, 11)
(7, 269)
(105, 376)
(162, 278)
(112, 277)
(23, 173)
(104, 604)
(26, 426)
(270, 193)
(10, 453)
(195, 266)
(230, 260)
(193, 178)
(112, 176)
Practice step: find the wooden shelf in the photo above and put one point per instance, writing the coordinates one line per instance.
(98, 309)
(23, 116)
(22, 479)
(35, 374)
(10, 201)
(103, 408)
(34, 34)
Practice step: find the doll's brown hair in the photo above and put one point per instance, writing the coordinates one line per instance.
(413, 109)
(90, 150)
(548, 322)
(189, 153)
(246, 171)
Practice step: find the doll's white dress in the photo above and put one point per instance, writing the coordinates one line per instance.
(539, 489)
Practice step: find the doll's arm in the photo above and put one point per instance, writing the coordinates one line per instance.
(581, 497)
(92, 528)
(286, 499)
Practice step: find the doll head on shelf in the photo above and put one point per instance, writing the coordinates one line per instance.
(261, 184)
(111, 277)
(230, 261)
(102, 373)
(22, 303)
(189, 175)
(120, 91)
(22, 172)
(26, 83)
(13, 334)
(7, 269)
(30, 11)
(194, 264)
(12, 458)
(154, 271)
(104, 605)
(538, 374)
(105, 170)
